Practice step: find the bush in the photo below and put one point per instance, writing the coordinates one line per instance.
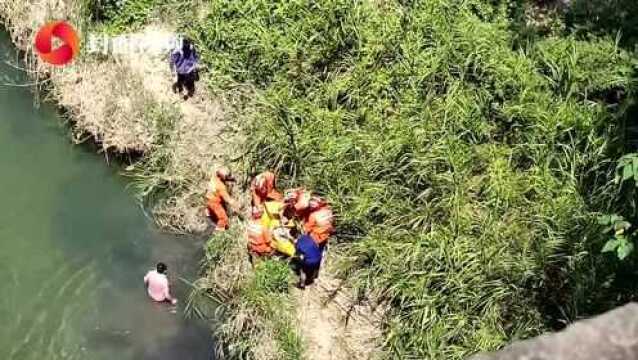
(123, 15)
(457, 165)
(271, 276)
(467, 166)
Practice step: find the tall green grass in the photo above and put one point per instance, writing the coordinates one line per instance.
(255, 318)
(460, 164)
(467, 162)
(124, 15)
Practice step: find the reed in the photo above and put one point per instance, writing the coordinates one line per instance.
(253, 315)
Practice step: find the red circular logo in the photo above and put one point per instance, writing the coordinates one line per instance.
(64, 53)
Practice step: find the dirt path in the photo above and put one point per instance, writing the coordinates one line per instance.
(333, 327)
(202, 138)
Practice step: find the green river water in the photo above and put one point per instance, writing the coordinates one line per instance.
(75, 245)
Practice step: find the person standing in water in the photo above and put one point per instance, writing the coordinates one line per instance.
(157, 286)
(184, 62)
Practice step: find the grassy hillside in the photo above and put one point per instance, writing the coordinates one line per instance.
(467, 155)
(458, 163)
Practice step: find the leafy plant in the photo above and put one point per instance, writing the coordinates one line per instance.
(126, 15)
(150, 178)
(271, 277)
(621, 242)
(627, 169)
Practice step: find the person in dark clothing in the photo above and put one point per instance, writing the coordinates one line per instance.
(184, 62)
(308, 255)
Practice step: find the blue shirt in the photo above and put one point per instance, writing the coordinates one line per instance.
(184, 64)
(311, 252)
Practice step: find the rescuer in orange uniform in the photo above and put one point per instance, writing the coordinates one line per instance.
(314, 212)
(319, 223)
(217, 197)
(297, 202)
(263, 189)
(259, 239)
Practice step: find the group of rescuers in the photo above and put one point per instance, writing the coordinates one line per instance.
(294, 225)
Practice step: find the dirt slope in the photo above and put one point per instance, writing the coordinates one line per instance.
(333, 327)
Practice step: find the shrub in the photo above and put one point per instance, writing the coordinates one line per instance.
(271, 276)
(122, 15)
(457, 164)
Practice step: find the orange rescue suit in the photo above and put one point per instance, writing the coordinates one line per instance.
(217, 196)
(263, 189)
(301, 203)
(259, 238)
(319, 224)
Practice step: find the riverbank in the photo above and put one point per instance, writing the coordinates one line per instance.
(124, 104)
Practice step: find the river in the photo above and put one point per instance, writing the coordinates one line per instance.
(75, 245)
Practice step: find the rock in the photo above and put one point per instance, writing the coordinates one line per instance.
(611, 336)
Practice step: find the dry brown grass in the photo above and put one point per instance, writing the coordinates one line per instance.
(108, 101)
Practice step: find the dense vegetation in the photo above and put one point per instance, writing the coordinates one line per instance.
(257, 318)
(467, 153)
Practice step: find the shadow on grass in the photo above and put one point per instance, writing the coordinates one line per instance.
(606, 17)
(532, 19)
(577, 288)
